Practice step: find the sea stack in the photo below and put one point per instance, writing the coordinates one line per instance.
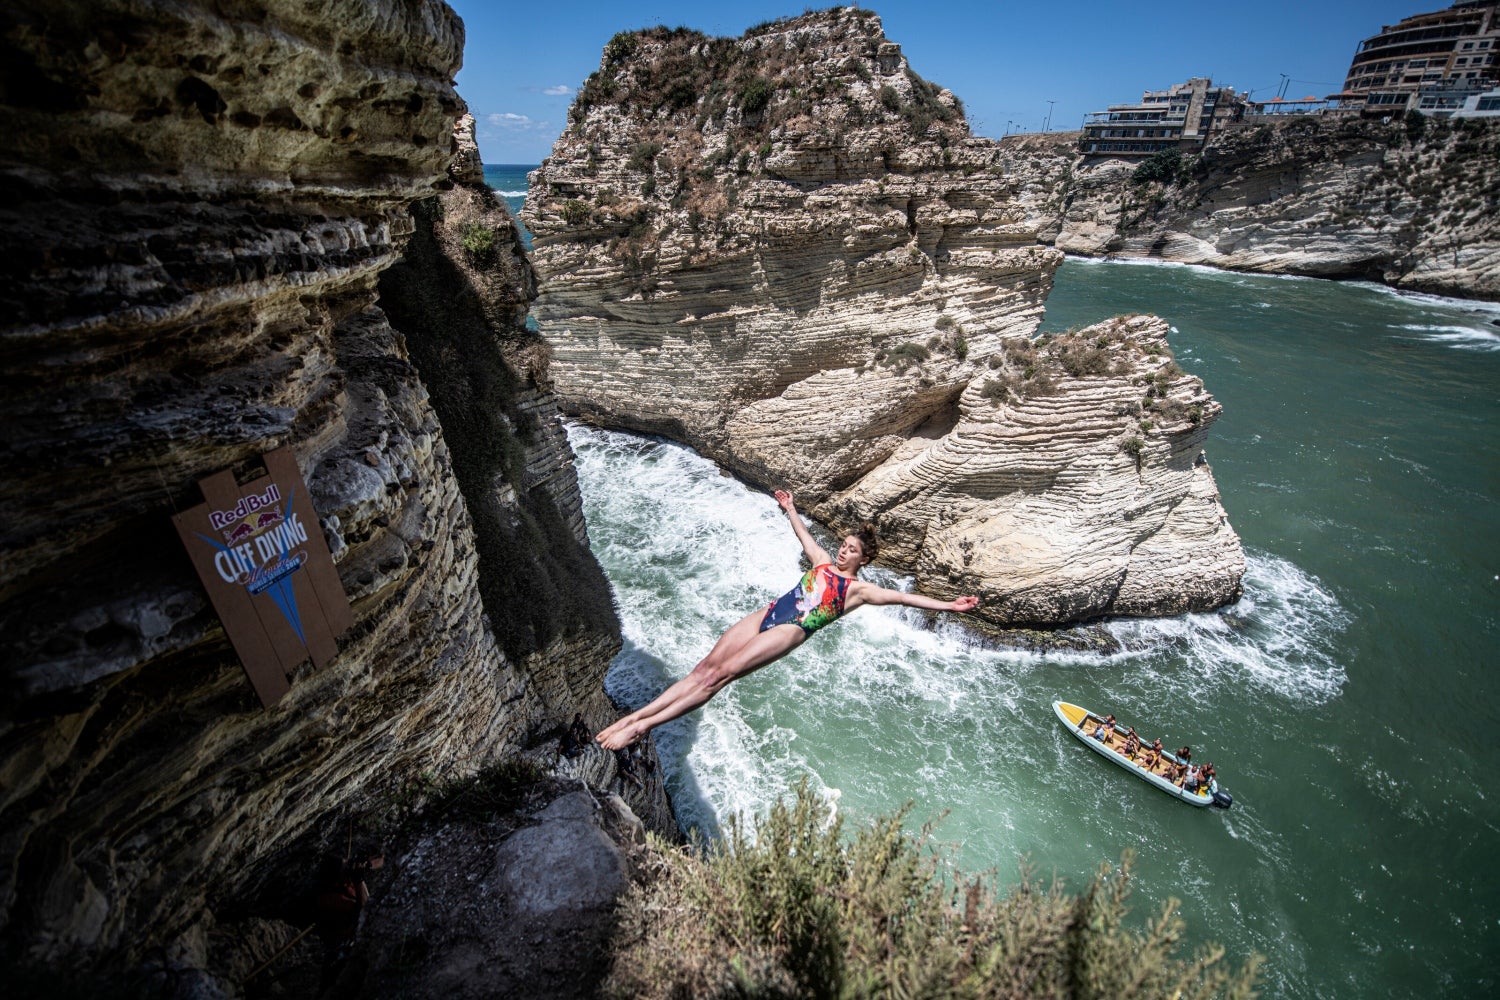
(788, 251)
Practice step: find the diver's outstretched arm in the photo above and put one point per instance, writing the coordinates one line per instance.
(862, 593)
(814, 551)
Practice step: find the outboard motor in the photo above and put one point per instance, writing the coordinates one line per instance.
(1223, 799)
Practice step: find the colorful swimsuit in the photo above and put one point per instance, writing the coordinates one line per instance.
(817, 600)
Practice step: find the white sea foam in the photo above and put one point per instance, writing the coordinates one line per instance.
(691, 551)
(511, 194)
(1472, 338)
(1235, 277)
(1429, 299)
(1280, 636)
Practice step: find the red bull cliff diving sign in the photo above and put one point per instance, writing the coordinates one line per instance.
(259, 552)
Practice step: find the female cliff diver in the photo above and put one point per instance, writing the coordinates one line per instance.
(825, 592)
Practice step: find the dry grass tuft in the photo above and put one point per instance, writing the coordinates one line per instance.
(799, 909)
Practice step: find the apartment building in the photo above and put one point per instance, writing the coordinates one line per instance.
(1181, 117)
(1431, 62)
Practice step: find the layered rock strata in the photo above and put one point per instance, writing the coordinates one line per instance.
(1414, 205)
(788, 251)
(202, 201)
(1072, 485)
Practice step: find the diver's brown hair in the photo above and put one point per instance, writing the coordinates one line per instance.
(867, 540)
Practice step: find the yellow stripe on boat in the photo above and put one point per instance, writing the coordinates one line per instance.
(1075, 715)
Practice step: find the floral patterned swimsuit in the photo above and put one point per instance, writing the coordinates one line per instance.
(817, 600)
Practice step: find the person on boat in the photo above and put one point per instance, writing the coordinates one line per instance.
(1104, 730)
(1153, 755)
(1190, 779)
(1132, 743)
(1184, 754)
(826, 592)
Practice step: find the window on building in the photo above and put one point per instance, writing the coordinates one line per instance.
(1489, 104)
(1468, 46)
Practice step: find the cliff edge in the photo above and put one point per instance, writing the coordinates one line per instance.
(203, 201)
(788, 251)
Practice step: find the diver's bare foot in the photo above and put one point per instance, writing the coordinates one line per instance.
(621, 738)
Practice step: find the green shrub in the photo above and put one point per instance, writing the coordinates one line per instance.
(756, 95)
(1133, 446)
(904, 355)
(800, 909)
(1089, 361)
(643, 157)
(1416, 125)
(1164, 166)
(478, 242)
(996, 390)
(889, 98)
(575, 212)
(621, 47)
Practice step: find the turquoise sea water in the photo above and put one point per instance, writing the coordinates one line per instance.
(1347, 700)
(509, 181)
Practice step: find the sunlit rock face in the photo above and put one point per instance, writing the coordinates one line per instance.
(1412, 205)
(1072, 484)
(202, 200)
(788, 251)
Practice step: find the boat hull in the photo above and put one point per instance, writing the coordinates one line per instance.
(1075, 717)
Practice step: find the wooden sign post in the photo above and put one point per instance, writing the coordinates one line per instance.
(261, 555)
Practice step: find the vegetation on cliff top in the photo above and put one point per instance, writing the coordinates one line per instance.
(706, 116)
(678, 69)
(798, 909)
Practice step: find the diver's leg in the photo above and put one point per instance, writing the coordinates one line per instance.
(706, 680)
(733, 638)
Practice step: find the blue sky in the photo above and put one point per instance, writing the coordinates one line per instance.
(1005, 59)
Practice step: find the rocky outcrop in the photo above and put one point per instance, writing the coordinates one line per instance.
(202, 202)
(523, 908)
(1071, 485)
(1413, 205)
(788, 251)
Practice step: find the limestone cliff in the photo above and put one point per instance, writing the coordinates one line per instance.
(201, 202)
(787, 250)
(1411, 204)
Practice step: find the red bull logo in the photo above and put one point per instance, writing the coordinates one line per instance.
(248, 505)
